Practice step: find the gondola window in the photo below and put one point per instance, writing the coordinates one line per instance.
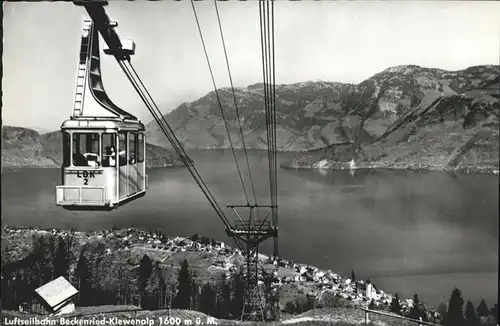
(108, 150)
(122, 137)
(140, 147)
(132, 148)
(86, 149)
(66, 139)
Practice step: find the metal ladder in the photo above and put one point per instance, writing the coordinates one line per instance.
(81, 76)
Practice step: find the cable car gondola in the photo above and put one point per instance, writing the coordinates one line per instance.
(104, 147)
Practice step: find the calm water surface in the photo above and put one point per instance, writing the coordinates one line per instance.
(423, 232)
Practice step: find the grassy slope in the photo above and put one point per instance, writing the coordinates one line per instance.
(17, 245)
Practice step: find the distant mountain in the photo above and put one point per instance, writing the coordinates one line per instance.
(402, 115)
(22, 147)
(41, 131)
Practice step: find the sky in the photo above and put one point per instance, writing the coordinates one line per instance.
(320, 40)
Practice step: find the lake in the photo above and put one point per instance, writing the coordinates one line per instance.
(423, 232)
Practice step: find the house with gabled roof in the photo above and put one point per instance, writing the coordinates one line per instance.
(57, 296)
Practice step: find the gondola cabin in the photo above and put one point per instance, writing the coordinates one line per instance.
(103, 164)
(103, 146)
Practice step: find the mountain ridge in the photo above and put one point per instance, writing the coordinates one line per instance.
(25, 147)
(384, 111)
(390, 119)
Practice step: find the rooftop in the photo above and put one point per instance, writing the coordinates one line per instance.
(56, 291)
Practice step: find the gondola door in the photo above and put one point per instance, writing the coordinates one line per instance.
(123, 166)
(132, 163)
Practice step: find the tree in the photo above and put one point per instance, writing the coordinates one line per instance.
(443, 311)
(238, 286)
(395, 305)
(271, 293)
(208, 300)
(98, 271)
(42, 254)
(83, 276)
(224, 300)
(470, 314)
(494, 312)
(195, 297)
(61, 259)
(7, 293)
(195, 237)
(353, 276)
(183, 298)
(145, 271)
(455, 306)
(71, 244)
(482, 309)
(416, 311)
(121, 286)
(145, 268)
(161, 286)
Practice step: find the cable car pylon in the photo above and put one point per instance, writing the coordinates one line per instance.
(252, 232)
(254, 229)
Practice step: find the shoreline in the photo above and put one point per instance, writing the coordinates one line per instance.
(331, 165)
(22, 167)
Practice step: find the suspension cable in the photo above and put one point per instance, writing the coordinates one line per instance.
(270, 45)
(264, 76)
(275, 215)
(220, 103)
(151, 105)
(270, 24)
(167, 130)
(264, 88)
(268, 67)
(235, 103)
(270, 98)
